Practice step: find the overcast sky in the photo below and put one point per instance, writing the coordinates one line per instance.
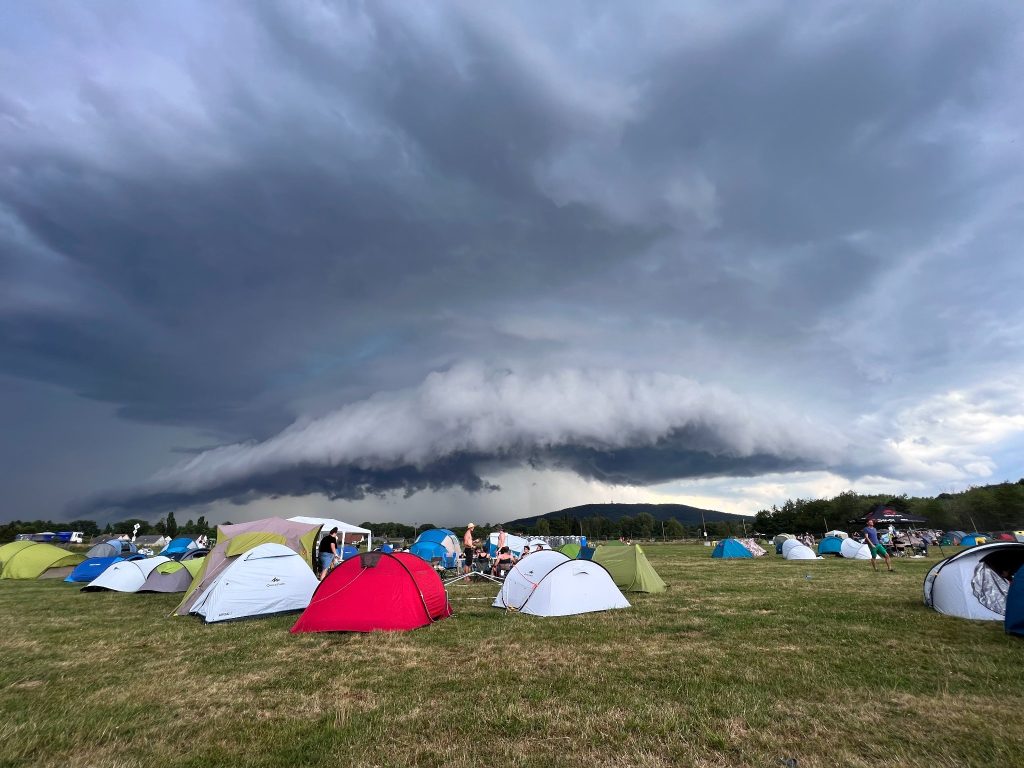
(452, 261)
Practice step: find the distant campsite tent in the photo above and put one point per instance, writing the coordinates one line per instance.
(1004, 537)
(125, 576)
(113, 548)
(8, 550)
(952, 538)
(728, 549)
(1014, 623)
(550, 584)
(570, 550)
(781, 539)
(514, 543)
(973, 540)
(753, 547)
(536, 544)
(831, 545)
(39, 561)
(855, 550)
(839, 534)
(194, 554)
(630, 569)
(267, 579)
(177, 547)
(89, 569)
(376, 591)
(437, 542)
(798, 552)
(972, 584)
(235, 540)
(173, 576)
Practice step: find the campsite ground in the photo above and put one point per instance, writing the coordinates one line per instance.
(742, 662)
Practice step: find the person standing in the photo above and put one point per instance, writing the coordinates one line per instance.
(875, 547)
(328, 551)
(502, 538)
(469, 547)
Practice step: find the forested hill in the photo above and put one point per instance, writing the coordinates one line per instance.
(684, 513)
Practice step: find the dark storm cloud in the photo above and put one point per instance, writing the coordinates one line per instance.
(231, 216)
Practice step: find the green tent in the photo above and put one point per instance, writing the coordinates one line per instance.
(572, 549)
(7, 551)
(630, 569)
(40, 561)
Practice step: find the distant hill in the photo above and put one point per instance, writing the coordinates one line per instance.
(684, 513)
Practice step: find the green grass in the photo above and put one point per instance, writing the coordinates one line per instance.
(739, 663)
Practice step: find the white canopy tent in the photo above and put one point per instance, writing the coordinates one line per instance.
(125, 576)
(343, 528)
(270, 578)
(548, 583)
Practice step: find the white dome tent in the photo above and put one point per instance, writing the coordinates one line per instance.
(855, 550)
(548, 583)
(798, 551)
(972, 584)
(270, 578)
(838, 534)
(125, 576)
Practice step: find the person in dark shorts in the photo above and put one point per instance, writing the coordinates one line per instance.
(469, 547)
(328, 549)
(875, 546)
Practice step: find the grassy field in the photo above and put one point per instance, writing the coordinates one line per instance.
(739, 663)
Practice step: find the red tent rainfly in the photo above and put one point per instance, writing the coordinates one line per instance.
(376, 591)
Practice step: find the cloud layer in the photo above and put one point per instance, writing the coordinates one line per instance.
(231, 218)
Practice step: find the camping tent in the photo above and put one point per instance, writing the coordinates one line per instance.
(838, 534)
(267, 579)
(753, 547)
(112, 548)
(781, 539)
(347, 533)
(437, 542)
(126, 575)
(729, 549)
(235, 540)
(194, 554)
(89, 569)
(514, 543)
(173, 576)
(7, 551)
(799, 552)
(39, 561)
(538, 544)
(952, 538)
(831, 545)
(788, 545)
(1004, 537)
(177, 547)
(629, 568)
(1014, 622)
(972, 584)
(973, 540)
(376, 591)
(570, 550)
(855, 550)
(548, 583)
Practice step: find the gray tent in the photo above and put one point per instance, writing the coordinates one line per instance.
(174, 576)
(113, 548)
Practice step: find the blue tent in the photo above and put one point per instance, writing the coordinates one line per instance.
(89, 569)
(1014, 621)
(730, 548)
(830, 545)
(971, 540)
(437, 542)
(178, 547)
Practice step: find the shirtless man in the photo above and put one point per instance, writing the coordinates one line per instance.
(469, 546)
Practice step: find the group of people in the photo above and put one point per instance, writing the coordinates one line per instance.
(477, 558)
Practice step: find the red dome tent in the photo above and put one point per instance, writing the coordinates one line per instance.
(376, 590)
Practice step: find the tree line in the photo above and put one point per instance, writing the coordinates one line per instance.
(998, 507)
(165, 526)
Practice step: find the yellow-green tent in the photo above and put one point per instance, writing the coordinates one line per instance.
(630, 568)
(40, 561)
(7, 551)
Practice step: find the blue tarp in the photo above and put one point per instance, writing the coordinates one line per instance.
(730, 548)
(177, 547)
(89, 569)
(830, 545)
(1014, 621)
